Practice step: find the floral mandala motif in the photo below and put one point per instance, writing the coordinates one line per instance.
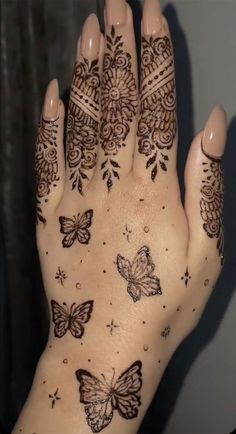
(46, 165)
(212, 202)
(82, 124)
(157, 126)
(118, 102)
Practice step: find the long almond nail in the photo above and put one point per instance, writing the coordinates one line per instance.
(152, 17)
(51, 101)
(90, 39)
(215, 132)
(116, 12)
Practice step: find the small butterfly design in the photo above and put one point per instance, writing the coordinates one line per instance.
(76, 228)
(70, 319)
(139, 274)
(101, 398)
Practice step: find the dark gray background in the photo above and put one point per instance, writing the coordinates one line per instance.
(38, 41)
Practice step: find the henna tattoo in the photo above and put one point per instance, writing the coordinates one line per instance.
(102, 398)
(78, 285)
(139, 274)
(127, 232)
(46, 164)
(145, 348)
(146, 229)
(60, 276)
(72, 319)
(112, 326)
(206, 282)
(186, 277)
(157, 125)
(212, 201)
(165, 333)
(118, 102)
(83, 122)
(54, 397)
(76, 228)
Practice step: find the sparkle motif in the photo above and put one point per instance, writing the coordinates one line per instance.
(127, 232)
(54, 398)
(165, 333)
(186, 277)
(60, 276)
(112, 326)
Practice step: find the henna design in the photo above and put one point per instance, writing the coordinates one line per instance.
(60, 276)
(186, 277)
(118, 103)
(54, 397)
(112, 326)
(72, 319)
(212, 202)
(76, 228)
(139, 274)
(83, 122)
(165, 333)
(157, 125)
(46, 164)
(101, 398)
(127, 232)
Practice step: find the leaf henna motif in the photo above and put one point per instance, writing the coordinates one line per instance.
(118, 103)
(157, 125)
(83, 122)
(212, 202)
(46, 164)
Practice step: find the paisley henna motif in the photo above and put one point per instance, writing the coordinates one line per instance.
(83, 121)
(212, 202)
(157, 126)
(118, 103)
(46, 164)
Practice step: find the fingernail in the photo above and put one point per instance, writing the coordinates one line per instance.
(116, 12)
(215, 133)
(90, 39)
(152, 17)
(51, 101)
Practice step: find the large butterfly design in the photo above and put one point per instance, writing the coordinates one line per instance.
(76, 228)
(70, 319)
(139, 274)
(101, 398)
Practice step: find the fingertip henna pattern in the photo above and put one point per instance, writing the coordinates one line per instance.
(118, 103)
(212, 201)
(46, 164)
(83, 122)
(157, 125)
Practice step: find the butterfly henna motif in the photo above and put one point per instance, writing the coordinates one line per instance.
(102, 398)
(139, 274)
(72, 319)
(76, 228)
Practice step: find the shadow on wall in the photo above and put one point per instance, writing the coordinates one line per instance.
(164, 402)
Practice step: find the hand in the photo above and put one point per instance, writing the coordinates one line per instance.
(127, 269)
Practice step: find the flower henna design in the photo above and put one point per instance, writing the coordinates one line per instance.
(83, 121)
(46, 164)
(212, 201)
(157, 125)
(118, 103)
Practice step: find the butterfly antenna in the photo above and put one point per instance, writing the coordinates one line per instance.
(113, 376)
(105, 381)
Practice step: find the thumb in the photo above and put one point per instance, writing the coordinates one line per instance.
(205, 190)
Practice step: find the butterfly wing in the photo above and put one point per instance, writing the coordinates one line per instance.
(142, 264)
(127, 387)
(80, 315)
(95, 395)
(69, 229)
(60, 318)
(85, 221)
(124, 267)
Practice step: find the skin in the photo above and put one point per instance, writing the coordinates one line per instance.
(151, 214)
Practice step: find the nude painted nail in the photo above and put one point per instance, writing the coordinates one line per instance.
(51, 101)
(215, 133)
(90, 39)
(152, 17)
(116, 12)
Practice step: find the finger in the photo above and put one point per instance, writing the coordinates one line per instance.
(157, 129)
(49, 157)
(119, 95)
(84, 108)
(204, 190)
